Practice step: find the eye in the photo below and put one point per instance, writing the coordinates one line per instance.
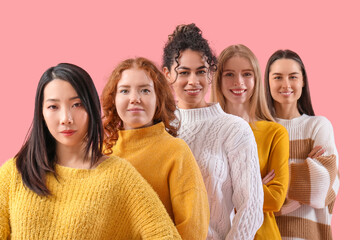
(277, 77)
(78, 104)
(201, 72)
(247, 74)
(228, 74)
(124, 91)
(52, 107)
(145, 90)
(293, 77)
(183, 73)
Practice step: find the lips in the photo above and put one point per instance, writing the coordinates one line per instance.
(193, 92)
(288, 93)
(68, 132)
(136, 110)
(238, 91)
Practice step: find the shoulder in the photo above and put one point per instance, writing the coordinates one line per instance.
(8, 167)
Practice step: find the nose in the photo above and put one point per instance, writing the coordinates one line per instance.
(135, 98)
(239, 80)
(66, 117)
(286, 83)
(193, 80)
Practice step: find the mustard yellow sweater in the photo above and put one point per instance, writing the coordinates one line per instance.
(111, 201)
(171, 169)
(272, 141)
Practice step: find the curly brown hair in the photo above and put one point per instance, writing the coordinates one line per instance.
(165, 103)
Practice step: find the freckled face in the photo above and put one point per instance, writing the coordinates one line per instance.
(135, 99)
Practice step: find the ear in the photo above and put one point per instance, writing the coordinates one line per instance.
(167, 74)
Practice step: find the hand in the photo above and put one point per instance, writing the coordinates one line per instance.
(316, 152)
(288, 207)
(270, 176)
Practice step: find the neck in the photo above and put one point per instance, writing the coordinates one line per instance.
(73, 157)
(241, 110)
(286, 111)
(184, 105)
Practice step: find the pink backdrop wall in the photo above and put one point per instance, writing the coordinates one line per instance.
(37, 35)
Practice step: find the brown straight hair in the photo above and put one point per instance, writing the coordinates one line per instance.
(304, 103)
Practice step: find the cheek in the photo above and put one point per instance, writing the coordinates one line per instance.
(119, 104)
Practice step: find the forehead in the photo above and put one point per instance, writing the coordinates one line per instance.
(58, 89)
(191, 59)
(135, 76)
(285, 66)
(237, 63)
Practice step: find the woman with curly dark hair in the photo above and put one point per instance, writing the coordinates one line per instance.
(138, 109)
(223, 144)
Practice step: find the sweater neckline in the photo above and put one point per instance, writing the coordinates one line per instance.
(200, 114)
(68, 172)
(141, 136)
(292, 122)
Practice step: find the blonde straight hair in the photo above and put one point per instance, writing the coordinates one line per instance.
(258, 106)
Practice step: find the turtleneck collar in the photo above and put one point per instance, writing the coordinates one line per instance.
(199, 114)
(135, 138)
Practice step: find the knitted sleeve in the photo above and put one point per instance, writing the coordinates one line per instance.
(246, 182)
(315, 182)
(188, 195)
(275, 191)
(5, 176)
(145, 212)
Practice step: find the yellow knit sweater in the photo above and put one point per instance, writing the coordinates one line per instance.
(272, 141)
(171, 169)
(111, 201)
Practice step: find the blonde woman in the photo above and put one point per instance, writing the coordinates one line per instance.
(237, 87)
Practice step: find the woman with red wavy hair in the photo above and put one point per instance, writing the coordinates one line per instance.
(138, 108)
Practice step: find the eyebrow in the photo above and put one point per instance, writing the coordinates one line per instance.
(293, 73)
(57, 100)
(128, 86)
(187, 68)
(244, 70)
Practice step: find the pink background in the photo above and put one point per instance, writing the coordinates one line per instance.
(35, 36)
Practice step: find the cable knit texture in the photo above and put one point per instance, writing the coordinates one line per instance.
(272, 141)
(225, 150)
(111, 201)
(313, 182)
(168, 164)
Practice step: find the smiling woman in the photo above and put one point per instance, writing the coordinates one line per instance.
(62, 156)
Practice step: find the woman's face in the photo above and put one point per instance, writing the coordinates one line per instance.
(135, 99)
(191, 82)
(237, 81)
(286, 81)
(64, 113)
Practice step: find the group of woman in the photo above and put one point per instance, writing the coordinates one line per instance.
(254, 163)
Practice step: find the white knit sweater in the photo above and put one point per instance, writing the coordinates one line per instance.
(314, 182)
(225, 149)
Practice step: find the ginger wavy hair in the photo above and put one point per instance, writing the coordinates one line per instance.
(165, 103)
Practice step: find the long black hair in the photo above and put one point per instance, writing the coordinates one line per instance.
(36, 158)
(187, 37)
(304, 103)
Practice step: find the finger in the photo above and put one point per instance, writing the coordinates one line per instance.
(319, 153)
(314, 151)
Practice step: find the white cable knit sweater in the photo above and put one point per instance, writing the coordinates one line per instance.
(225, 149)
